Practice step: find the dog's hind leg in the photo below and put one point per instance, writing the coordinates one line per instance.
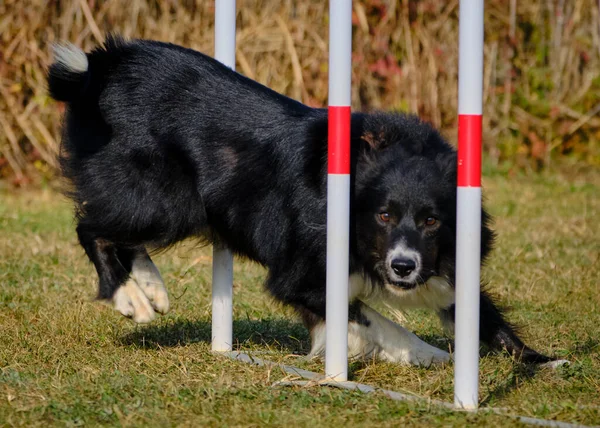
(146, 275)
(119, 270)
(496, 332)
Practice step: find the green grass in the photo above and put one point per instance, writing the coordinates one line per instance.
(66, 359)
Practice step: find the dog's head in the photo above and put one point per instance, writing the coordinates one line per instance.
(405, 208)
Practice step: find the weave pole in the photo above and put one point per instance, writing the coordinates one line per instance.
(468, 222)
(338, 189)
(222, 271)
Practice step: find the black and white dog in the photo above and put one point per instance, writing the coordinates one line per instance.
(162, 143)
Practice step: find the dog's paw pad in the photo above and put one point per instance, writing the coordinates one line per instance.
(131, 301)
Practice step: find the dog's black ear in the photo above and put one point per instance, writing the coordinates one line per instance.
(447, 164)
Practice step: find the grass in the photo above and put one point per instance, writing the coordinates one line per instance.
(66, 359)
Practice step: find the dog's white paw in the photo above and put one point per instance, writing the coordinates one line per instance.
(555, 364)
(420, 354)
(429, 357)
(158, 296)
(131, 301)
(151, 283)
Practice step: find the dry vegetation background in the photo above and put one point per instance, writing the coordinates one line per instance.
(541, 83)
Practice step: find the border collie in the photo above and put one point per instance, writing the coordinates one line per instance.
(162, 143)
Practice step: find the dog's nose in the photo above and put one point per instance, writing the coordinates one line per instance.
(403, 267)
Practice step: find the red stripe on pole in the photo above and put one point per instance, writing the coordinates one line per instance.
(339, 140)
(469, 150)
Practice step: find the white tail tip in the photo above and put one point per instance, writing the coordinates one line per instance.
(70, 57)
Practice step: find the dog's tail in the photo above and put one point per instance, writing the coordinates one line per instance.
(69, 75)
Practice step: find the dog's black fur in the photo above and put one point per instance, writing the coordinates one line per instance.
(162, 143)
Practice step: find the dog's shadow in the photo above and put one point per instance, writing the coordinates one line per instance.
(276, 334)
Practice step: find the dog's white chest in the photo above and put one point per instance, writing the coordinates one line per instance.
(435, 294)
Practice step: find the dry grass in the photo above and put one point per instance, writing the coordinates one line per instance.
(542, 59)
(67, 360)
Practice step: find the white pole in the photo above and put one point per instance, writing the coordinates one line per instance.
(222, 279)
(468, 227)
(225, 32)
(338, 189)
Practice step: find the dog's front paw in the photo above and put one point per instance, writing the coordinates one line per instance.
(418, 353)
(429, 357)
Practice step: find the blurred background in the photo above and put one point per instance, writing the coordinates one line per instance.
(541, 83)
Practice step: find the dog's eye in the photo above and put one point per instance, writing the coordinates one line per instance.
(430, 221)
(384, 217)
